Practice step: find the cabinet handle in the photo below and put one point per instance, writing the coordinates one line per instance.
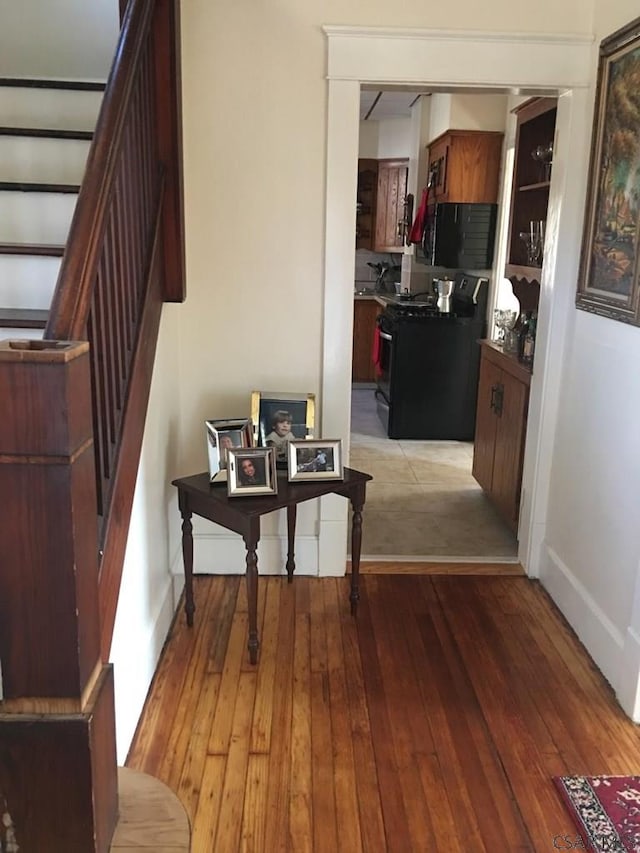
(497, 399)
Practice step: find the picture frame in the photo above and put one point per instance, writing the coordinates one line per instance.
(608, 277)
(251, 471)
(268, 414)
(221, 435)
(315, 460)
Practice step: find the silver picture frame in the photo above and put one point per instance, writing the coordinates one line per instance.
(315, 460)
(222, 434)
(251, 472)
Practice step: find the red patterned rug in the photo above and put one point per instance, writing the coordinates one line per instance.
(606, 810)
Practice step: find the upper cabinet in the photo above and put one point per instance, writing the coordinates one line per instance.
(465, 165)
(536, 121)
(380, 209)
(366, 203)
(390, 203)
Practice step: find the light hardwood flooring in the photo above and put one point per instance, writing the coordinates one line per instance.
(423, 502)
(433, 721)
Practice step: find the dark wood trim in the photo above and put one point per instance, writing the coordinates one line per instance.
(507, 361)
(23, 318)
(169, 135)
(46, 133)
(29, 83)
(41, 249)
(29, 187)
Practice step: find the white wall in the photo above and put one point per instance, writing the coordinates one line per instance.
(389, 137)
(147, 597)
(592, 551)
(68, 39)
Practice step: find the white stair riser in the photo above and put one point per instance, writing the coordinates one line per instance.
(27, 281)
(21, 334)
(34, 217)
(53, 109)
(28, 159)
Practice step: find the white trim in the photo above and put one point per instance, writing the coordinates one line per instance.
(359, 55)
(225, 554)
(599, 635)
(483, 59)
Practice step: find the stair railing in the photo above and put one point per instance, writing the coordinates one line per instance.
(124, 257)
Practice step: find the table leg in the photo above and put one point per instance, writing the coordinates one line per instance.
(252, 596)
(291, 534)
(187, 559)
(357, 502)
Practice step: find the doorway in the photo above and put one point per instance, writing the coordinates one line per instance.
(361, 56)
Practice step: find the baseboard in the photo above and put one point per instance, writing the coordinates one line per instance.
(226, 555)
(604, 642)
(400, 566)
(134, 672)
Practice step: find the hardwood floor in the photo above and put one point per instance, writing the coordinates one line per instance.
(432, 722)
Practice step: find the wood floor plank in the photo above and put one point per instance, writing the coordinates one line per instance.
(279, 786)
(433, 721)
(347, 814)
(301, 799)
(206, 820)
(263, 709)
(229, 828)
(189, 783)
(252, 839)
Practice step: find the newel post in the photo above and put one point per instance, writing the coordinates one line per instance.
(58, 773)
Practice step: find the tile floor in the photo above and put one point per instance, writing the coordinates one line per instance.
(423, 503)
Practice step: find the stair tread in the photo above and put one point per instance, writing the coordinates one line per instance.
(31, 83)
(23, 318)
(54, 250)
(28, 186)
(46, 133)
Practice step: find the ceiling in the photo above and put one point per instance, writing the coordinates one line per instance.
(378, 105)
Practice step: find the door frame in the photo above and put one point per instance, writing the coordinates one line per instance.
(449, 61)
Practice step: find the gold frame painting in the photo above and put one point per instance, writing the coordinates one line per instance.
(609, 265)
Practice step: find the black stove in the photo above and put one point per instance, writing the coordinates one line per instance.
(429, 362)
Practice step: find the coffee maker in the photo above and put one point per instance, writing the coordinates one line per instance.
(443, 288)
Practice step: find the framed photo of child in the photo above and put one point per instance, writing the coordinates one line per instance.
(279, 417)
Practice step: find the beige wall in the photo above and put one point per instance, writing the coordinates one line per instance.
(254, 98)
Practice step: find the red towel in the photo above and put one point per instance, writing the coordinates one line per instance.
(417, 229)
(376, 352)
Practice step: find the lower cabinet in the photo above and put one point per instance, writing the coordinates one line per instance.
(365, 312)
(501, 423)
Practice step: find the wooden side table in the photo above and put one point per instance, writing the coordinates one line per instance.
(242, 515)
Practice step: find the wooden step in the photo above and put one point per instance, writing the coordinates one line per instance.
(30, 187)
(47, 133)
(29, 83)
(23, 318)
(50, 251)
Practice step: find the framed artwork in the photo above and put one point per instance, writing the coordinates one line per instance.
(608, 278)
(280, 417)
(221, 436)
(315, 460)
(251, 471)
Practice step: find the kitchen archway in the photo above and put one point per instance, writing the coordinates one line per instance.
(554, 65)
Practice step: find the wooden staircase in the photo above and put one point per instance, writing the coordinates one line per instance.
(46, 128)
(88, 255)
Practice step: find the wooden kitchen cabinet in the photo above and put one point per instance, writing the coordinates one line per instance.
(365, 313)
(366, 203)
(390, 197)
(535, 129)
(465, 165)
(501, 423)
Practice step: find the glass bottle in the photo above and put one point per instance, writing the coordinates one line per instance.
(529, 343)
